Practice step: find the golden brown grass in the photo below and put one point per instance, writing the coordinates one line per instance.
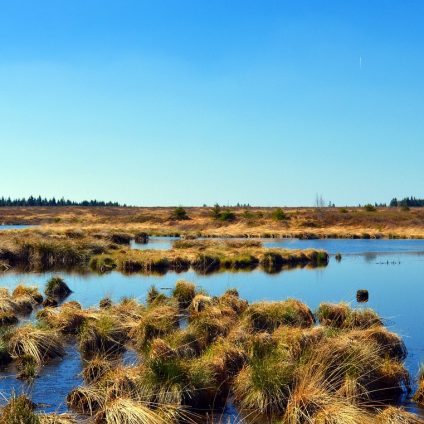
(301, 221)
(40, 344)
(270, 358)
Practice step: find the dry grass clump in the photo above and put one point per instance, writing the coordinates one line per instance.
(231, 299)
(19, 410)
(40, 344)
(102, 334)
(32, 292)
(340, 411)
(8, 318)
(394, 415)
(127, 310)
(184, 292)
(85, 400)
(390, 344)
(267, 316)
(264, 384)
(96, 368)
(211, 323)
(298, 340)
(341, 315)
(157, 322)
(57, 419)
(68, 319)
(419, 394)
(128, 411)
(56, 287)
(268, 357)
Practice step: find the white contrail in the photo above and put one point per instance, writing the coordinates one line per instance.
(360, 62)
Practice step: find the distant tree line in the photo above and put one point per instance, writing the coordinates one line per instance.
(411, 202)
(39, 201)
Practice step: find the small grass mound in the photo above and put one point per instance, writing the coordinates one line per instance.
(341, 315)
(57, 288)
(32, 292)
(40, 344)
(103, 334)
(267, 316)
(19, 410)
(184, 292)
(419, 394)
(394, 415)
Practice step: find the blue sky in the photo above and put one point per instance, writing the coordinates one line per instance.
(190, 101)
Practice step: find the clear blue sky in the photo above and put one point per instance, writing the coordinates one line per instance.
(190, 102)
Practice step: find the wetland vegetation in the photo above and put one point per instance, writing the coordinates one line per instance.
(300, 222)
(276, 361)
(47, 249)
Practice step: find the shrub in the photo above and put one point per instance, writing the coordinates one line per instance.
(227, 215)
(179, 214)
(370, 208)
(279, 215)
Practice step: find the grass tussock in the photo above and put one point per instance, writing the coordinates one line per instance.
(184, 292)
(31, 341)
(267, 316)
(270, 358)
(19, 410)
(341, 315)
(419, 394)
(102, 334)
(57, 288)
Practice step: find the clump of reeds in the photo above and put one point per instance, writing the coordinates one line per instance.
(395, 415)
(27, 367)
(232, 299)
(105, 303)
(200, 302)
(40, 344)
(184, 292)
(154, 296)
(57, 419)
(128, 411)
(185, 343)
(8, 318)
(50, 302)
(419, 394)
(68, 319)
(96, 368)
(264, 384)
(271, 262)
(5, 357)
(56, 287)
(85, 400)
(157, 321)
(32, 292)
(19, 410)
(341, 315)
(211, 323)
(267, 316)
(102, 334)
(120, 238)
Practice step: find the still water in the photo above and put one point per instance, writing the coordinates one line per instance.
(14, 227)
(392, 271)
